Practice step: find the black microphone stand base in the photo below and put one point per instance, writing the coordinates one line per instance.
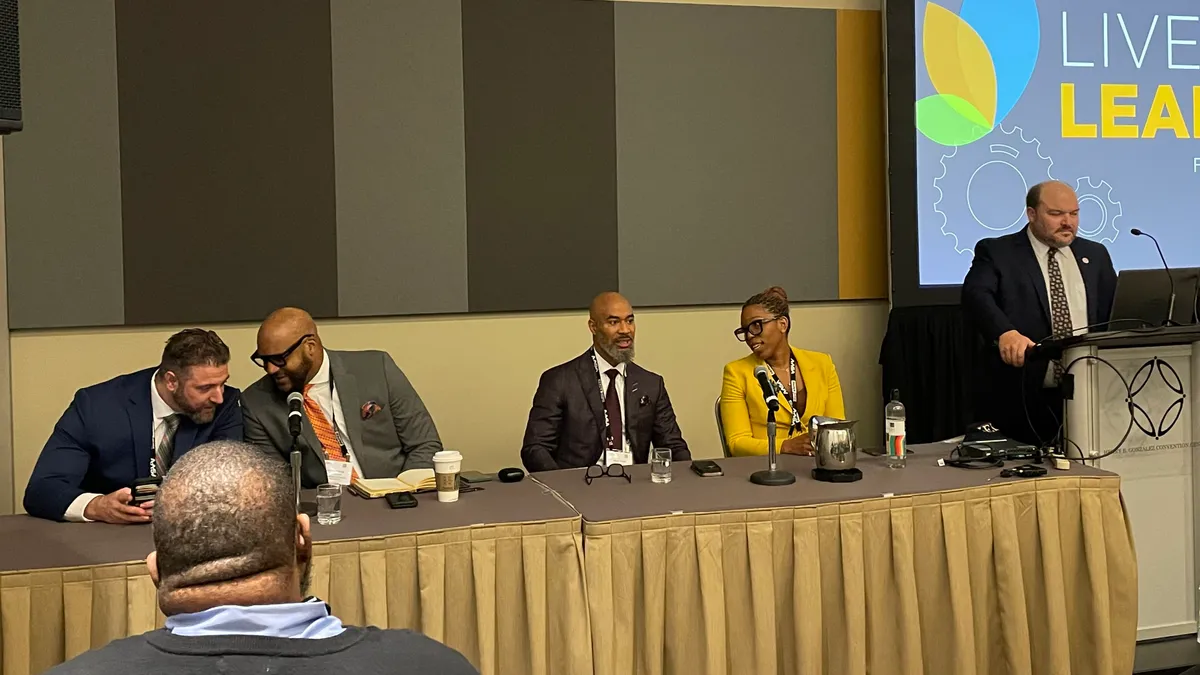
(776, 477)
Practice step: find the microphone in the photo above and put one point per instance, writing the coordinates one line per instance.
(1170, 277)
(295, 412)
(764, 381)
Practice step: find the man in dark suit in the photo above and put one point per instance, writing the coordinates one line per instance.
(134, 426)
(1023, 288)
(601, 407)
(361, 414)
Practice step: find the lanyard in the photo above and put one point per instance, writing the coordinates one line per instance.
(609, 441)
(796, 414)
(333, 406)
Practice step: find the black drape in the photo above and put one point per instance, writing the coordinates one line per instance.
(932, 355)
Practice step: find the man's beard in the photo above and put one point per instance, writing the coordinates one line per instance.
(615, 354)
(202, 415)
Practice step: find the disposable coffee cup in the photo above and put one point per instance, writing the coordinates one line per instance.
(446, 465)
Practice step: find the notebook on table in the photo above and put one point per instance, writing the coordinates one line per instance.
(413, 480)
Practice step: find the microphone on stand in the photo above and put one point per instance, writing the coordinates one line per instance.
(772, 476)
(764, 381)
(1170, 277)
(295, 402)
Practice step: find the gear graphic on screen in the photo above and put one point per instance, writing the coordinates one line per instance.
(981, 191)
(1097, 196)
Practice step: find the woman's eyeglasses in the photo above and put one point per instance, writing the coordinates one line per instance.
(752, 329)
(277, 360)
(611, 471)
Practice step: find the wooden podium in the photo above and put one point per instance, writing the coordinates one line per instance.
(1156, 424)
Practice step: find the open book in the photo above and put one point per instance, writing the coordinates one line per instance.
(413, 480)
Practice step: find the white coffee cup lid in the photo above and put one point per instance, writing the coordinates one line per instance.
(447, 456)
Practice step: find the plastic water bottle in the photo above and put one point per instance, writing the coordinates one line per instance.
(897, 449)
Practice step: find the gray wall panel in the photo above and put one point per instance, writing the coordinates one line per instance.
(398, 153)
(63, 173)
(541, 166)
(227, 177)
(726, 152)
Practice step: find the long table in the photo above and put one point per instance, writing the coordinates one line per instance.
(926, 569)
(497, 575)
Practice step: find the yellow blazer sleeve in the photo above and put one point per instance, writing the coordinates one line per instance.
(735, 415)
(835, 407)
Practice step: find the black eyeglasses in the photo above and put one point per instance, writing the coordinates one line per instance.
(611, 471)
(752, 329)
(277, 360)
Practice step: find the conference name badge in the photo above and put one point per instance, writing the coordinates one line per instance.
(623, 457)
(338, 472)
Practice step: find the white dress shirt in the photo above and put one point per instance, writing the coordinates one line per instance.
(1072, 281)
(324, 392)
(619, 380)
(158, 430)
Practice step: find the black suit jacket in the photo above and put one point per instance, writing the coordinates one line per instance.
(1004, 291)
(566, 422)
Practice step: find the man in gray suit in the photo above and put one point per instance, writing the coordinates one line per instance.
(361, 415)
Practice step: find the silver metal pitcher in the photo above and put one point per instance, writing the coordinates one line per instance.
(833, 442)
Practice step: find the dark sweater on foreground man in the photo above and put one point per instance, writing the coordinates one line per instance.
(365, 651)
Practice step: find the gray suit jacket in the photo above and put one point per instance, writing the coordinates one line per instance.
(399, 436)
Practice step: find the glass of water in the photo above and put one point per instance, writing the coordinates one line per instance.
(660, 465)
(329, 504)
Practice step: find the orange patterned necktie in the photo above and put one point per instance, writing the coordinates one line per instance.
(324, 430)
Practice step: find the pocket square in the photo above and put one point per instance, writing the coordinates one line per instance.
(370, 408)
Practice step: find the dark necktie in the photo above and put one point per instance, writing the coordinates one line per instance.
(1060, 311)
(612, 406)
(165, 452)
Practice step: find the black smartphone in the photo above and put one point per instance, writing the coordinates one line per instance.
(144, 490)
(706, 468)
(400, 500)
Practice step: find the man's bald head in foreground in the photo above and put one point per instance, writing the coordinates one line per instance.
(1053, 212)
(226, 531)
(289, 348)
(610, 318)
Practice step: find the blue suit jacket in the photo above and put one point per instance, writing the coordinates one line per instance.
(103, 443)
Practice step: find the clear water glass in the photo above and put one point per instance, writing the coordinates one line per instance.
(660, 465)
(329, 504)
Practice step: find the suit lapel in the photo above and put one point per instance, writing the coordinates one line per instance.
(815, 399)
(141, 424)
(632, 394)
(185, 438)
(585, 370)
(1028, 260)
(346, 386)
(1089, 283)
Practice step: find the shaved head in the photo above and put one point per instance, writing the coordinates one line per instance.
(289, 335)
(225, 523)
(610, 318)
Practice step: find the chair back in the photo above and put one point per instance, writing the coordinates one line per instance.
(721, 428)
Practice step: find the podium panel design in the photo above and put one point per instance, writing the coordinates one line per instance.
(1155, 461)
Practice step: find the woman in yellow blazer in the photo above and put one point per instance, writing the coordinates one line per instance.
(804, 380)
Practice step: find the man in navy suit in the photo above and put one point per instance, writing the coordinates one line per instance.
(134, 426)
(1021, 289)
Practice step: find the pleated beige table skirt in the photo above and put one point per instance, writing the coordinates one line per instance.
(1019, 578)
(509, 597)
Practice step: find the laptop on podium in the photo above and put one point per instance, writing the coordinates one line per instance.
(1146, 295)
